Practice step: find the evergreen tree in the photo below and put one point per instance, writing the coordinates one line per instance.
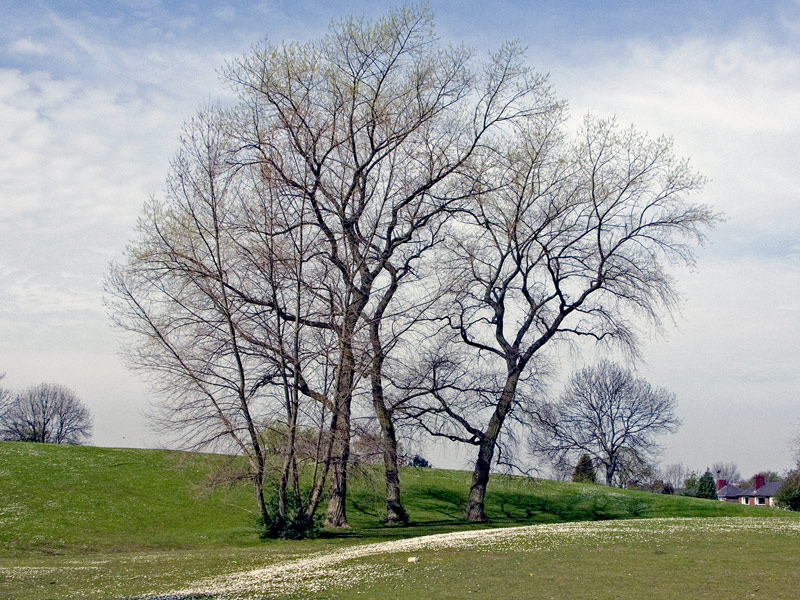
(584, 471)
(706, 487)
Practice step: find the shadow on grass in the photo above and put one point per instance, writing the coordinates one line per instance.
(440, 509)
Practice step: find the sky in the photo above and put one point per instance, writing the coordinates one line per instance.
(93, 96)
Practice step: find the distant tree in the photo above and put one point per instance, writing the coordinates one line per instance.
(47, 413)
(609, 414)
(727, 471)
(706, 487)
(5, 400)
(584, 471)
(788, 495)
(674, 474)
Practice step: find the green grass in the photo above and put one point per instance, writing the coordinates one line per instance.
(644, 559)
(109, 523)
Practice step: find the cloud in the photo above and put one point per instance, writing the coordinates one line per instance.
(730, 104)
(27, 46)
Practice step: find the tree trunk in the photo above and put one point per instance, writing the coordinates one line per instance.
(337, 513)
(258, 485)
(395, 513)
(480, 474)
(611, 469)
(337, 510)
(480, 479)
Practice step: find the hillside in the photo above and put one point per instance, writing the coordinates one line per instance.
(59, 499)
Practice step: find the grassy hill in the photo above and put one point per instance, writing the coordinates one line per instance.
(60, 499)
(83, 522)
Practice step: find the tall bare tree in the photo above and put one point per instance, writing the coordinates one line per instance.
(374, 127)
(609, 414)
(571, 240)
(48, 413)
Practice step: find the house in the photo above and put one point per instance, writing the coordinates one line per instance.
(763, 494)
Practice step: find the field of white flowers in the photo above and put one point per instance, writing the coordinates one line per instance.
(346, 568)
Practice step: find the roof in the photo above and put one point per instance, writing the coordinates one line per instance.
(768, 490)
(732, 491)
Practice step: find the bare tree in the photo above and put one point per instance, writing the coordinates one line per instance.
(609, 414)
(674, 475)
(5, 400)
(47, 413)
(262, 280)
(569, 241)
(728, 471)
(374, 127)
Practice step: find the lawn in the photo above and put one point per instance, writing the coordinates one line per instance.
(81, 522)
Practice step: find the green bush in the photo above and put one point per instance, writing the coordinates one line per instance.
(788, 495)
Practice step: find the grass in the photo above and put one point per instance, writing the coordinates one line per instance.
(703, 558)
(82, 522)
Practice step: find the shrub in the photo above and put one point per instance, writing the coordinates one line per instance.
(788, 495)
(296, 528)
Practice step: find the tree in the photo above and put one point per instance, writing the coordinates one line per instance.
(675, 475)
(269, 273)
(727, 471)
(568, 241)
(706, 487)
(5, 400)
(47, 413)
(609, 414)
(788, 495)
(584, 471)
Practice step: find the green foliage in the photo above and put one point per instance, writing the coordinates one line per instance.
(706, 487)
(788, 495)
(700, 487)
(584, 471)
(690, 484)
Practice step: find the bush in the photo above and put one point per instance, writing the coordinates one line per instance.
(295, 528)
(788, 495)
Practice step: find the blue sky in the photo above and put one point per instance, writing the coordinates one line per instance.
(93, 95)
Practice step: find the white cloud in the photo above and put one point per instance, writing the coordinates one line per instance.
(731, 105)
(27, 46)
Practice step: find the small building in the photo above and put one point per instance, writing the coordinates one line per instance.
(763, 494)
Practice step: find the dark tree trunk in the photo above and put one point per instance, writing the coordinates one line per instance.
(337, 510)
(480, 479)
(480, 474)
(395, 513)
